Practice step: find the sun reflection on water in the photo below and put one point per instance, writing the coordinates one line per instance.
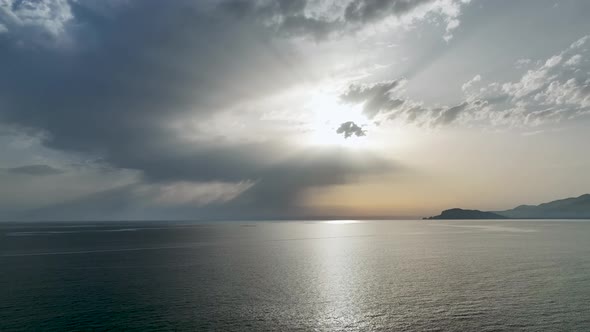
(341, 222)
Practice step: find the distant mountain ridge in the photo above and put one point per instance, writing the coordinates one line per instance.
(567, 208)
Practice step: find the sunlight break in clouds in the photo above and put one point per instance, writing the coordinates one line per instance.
(272, 108)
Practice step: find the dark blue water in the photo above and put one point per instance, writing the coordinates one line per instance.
(377, 275)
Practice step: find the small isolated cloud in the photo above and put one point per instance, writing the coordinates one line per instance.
(39, 170)
(349, 129)
(522, 63)
(470, 83)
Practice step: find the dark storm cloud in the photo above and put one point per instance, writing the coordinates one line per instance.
(125, 75)
(349, 129)
(283, 184)
(34, 170)
(366, 11)
(118, 74)
(287, 17)
(357, 13)
(118, 203)
(290, 17)
(290, 7)
(301, 25)
(130, 70)
(275, 194)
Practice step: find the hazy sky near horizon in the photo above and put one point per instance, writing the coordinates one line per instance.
(135, 109)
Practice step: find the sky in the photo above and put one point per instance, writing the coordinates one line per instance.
(231, 109)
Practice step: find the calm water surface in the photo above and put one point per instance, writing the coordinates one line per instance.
(308, 276)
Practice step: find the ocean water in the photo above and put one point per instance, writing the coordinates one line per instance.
(290, 276)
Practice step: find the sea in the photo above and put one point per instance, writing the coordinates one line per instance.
(337, 275)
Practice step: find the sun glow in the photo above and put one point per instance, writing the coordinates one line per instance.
(327, 115)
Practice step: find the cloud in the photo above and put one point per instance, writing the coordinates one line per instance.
(470, 83)
(451, 114)
(274, 195)
(287, 18)
(523, 63)
(112, 79)
(129, 76)
(284, 183)
(366, 11)
(319, 21)
(40, 170)
(349, 129)
(37, 20)
(199, 194)
(555, 89)
(575, 60)
(387, 99)
(132, 70)
(300, 25)
(370, 11)
(580, 42)
(374, 97)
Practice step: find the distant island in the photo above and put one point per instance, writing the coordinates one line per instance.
(568, 208)
(466, 214)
